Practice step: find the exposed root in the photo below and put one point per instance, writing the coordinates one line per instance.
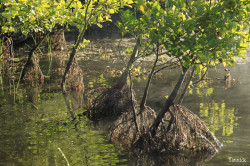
(123, 131)
(180, 131)
(6, 53)
(58, 40)
(7, 49)
(109, 101)
(74, 78)
(33, 71)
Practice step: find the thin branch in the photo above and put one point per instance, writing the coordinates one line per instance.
(172, 67)
(202, 78)
(132, 102)
(64, 156)
(167, 62)
(143, 101)
(119, 50)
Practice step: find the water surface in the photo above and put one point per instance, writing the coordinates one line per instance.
(40, 126)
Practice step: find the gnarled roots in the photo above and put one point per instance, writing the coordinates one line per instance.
(33, 72)
(109, 101)
(180, 131)
(74, 77)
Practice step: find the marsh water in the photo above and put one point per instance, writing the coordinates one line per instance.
(39, 125)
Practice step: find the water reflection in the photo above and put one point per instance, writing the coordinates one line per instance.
(74, 102)
(33, 136)
(218, 117)
(33, 93)
(36, 121)
(215, 113)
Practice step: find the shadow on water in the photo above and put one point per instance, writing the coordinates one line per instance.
(40, 126)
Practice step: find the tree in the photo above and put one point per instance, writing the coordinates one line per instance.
(84, 15)
(201, 34)
(119, 98)
(25, 17)
(198, 34)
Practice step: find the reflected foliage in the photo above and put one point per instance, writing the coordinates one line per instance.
(33, 128)
(218, 117)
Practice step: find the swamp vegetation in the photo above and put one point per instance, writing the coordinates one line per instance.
(148, 94)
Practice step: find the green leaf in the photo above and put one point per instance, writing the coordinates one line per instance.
(233, 26)
(212, 43)
(202, 57)
(129, 50)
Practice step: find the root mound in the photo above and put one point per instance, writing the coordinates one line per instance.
(180, 131)
(7, 49)
(6, 53)
(33, 72)
(109, 101)
(58, 40)
(74, 78)
(123, 131)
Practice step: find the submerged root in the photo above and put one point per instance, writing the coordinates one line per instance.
(180, 131)
(109, 101)
(33, 72)
(74, 102)
(74, 78)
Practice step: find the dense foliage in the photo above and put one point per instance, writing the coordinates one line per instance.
(25, 16)
(200, 33)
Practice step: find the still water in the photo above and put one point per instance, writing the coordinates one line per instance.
(40, 126)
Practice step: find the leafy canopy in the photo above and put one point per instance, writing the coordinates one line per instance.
(27, 15)
(200, 33)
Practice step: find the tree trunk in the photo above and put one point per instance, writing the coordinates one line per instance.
(168, 103)
(124, 77)
(185, 89)
(76, 45)
(72, 57)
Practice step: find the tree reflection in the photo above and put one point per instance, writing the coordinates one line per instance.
(74, 101)
(218, 117)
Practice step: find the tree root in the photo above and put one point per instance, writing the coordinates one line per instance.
(109, 101)
(33, 71)
(74, 78)
(185, 132)
(123, 131)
